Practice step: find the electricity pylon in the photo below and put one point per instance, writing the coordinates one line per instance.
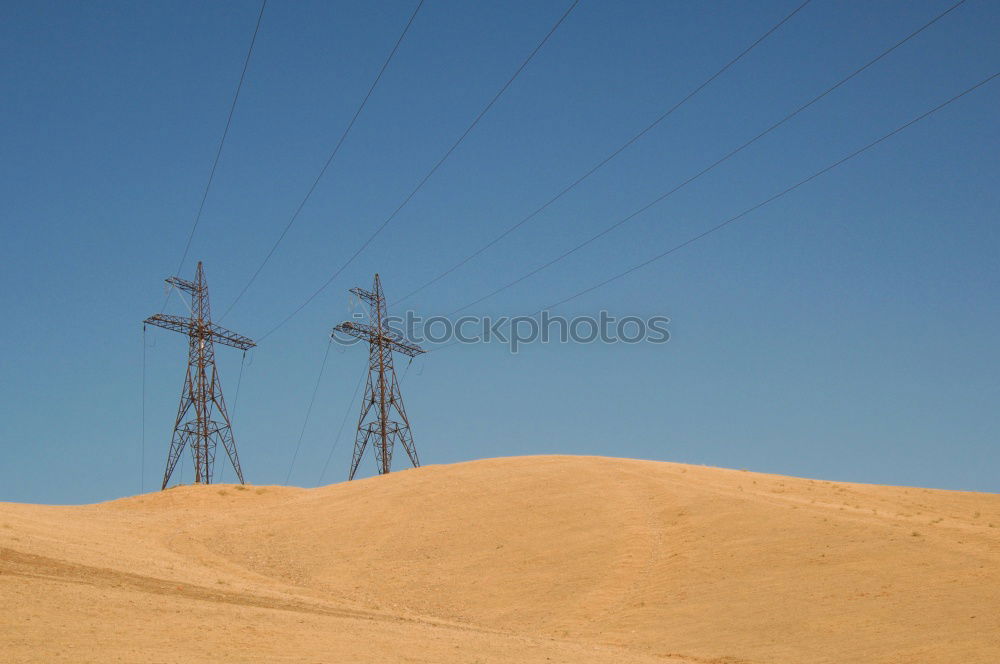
(202, 390)
(382, 395)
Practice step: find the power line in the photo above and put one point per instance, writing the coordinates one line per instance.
(312, 400)
(406, 370)
(609, 157)
(714, 164)
(340, 431)
(755, 207)
(225, 133)
(329, 160)
(430, 173)
(776, 196)
(236, 401)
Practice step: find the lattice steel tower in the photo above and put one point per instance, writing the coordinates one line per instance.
(202, 391)
(382, 397)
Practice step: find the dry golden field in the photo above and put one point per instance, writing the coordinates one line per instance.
(533, 559)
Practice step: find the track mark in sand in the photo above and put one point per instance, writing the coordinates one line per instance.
(654, 529)
(28, 565)
(31, 566)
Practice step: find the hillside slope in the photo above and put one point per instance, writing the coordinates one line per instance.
(532, 559)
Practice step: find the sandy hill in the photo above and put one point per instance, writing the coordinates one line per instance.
(537, 559)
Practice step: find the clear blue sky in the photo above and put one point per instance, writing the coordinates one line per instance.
(847, 331)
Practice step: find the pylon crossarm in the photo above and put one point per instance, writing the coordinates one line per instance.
(182, 284)
(365, 295)
(371, 334)
(216, 333)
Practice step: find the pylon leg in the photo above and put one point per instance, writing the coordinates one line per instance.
(230, 446)
(179, 439)
(362, 435)
(360, 443)
(225, 430)
(177, 445)
(406, 439)
(405, 433)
